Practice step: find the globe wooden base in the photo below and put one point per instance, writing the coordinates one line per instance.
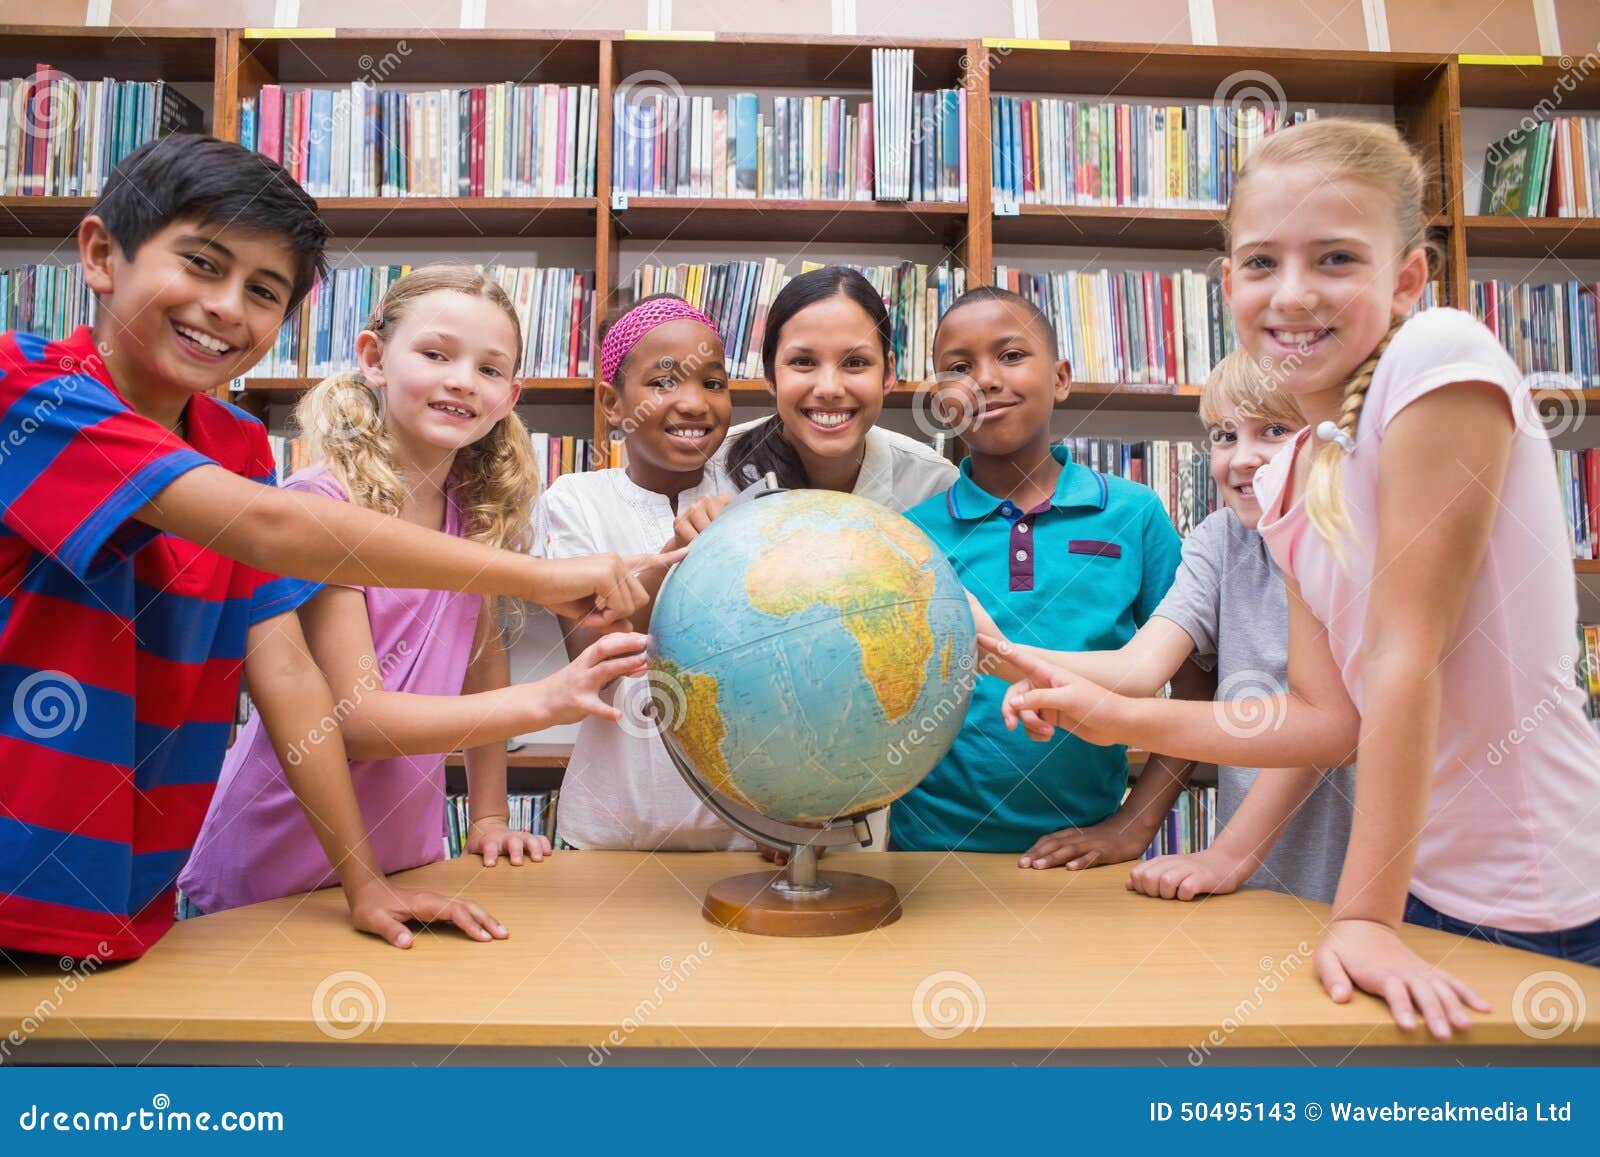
(750, 903)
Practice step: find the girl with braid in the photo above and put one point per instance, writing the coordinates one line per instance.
(1431, 598)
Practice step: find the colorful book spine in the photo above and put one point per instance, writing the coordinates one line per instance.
(1189, 827)
(1132, 327)
(502, 140)
(1551, 330)
(1058, 151)
(67, 135)
(47, 300)
(1178, 472)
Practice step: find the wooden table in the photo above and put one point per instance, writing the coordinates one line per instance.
(609, 961)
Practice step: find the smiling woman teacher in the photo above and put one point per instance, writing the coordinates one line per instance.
(829, 360)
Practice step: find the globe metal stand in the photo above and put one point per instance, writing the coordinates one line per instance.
(800, 899)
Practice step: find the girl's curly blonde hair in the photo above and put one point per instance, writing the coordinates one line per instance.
(495, 481)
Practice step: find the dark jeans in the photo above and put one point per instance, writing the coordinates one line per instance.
(1579, 945)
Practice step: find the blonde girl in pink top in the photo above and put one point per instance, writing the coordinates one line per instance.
(1431, 594)
(425, 432)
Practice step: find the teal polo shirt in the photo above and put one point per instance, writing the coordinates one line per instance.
(1081, 572)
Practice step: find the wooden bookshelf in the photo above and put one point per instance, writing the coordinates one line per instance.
(1427, 93)
(256, 393)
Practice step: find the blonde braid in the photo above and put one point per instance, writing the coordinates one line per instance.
(1324, 492)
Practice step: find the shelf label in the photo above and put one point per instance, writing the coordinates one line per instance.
(619, 201)
(665, 34)
(236, 386)
(289, 33)
(1010, 43)
(1497, 58)
(1005, 209)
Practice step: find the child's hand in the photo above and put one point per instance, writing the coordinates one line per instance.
(1207, 873)
(384, 910)
(574, 691)
(1371, 957)
(1049, 697)
(1110, 841)
(492, 838)
(600, 590)
(691, 522)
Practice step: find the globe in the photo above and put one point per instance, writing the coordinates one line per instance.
(813, 656)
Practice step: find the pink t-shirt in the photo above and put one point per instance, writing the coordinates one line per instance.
(1510, 836)
(256, 843)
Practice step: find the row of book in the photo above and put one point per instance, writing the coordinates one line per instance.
(1588, 672)
(1549, 169)
(530, 812)
(1189, 827)
(1132, 326)
(1579, 473)
(795, 147)
(1057, 151)
(1178, 472)
(63, 136)
(47, 300)
(1548, 329)
(555, 454)
(554, 305)
(498, 140)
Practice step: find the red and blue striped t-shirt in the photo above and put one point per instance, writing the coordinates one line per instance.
(120, 650)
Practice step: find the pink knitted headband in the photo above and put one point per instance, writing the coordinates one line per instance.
(637, 322)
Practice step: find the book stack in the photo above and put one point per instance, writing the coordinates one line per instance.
(1588, 670)
(1132, 327)
(1579, 472)
(498, 140)
(530, 812)
(47, 300)
(734, 294)
(65, 136)
(1056, 151)
(290, 455)
(555, 307)
(1553, 329)
(1549, 170)
(1189, 827)
(1178, 472)
(785, 147)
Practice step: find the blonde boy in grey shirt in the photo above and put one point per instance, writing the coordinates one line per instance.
(1227, 610)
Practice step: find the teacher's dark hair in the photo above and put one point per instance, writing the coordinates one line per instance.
(763, 448)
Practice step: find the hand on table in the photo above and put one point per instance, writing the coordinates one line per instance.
(1110, 841)
(383, 910)
(491, 838)
(1370, 956)
(1207, 873)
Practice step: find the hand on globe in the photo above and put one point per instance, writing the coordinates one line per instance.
(599, 591)
(694, 519)
(1049, 697)
(575, 691)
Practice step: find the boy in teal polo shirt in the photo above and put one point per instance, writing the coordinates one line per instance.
(1061, 557)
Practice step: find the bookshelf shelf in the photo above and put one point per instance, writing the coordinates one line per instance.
(280, 391)
(835, 63)
(1126, 226)
(785, 219)
(181, 54)
(1526, 85)
(1586, 565)
(460, 216)
(50, 218)
(1113, 71)
(435, 57)
(1535, 238)
(1184, 399)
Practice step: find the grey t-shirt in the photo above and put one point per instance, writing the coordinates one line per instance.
(1229, 596)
